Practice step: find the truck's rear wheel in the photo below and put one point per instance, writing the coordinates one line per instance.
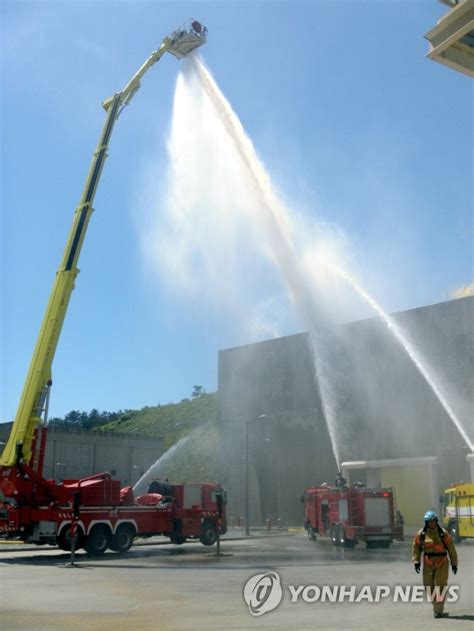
(341, 535)
(333, 533)
(454, 531)
(175, 536)
(64, 539)
(122, 540)
(310, 532)
(343, 540)
(208, 533)
(97, 541)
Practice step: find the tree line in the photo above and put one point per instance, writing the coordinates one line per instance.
(86, 420)
(95, 419)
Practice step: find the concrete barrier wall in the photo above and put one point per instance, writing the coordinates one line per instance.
(77, 453)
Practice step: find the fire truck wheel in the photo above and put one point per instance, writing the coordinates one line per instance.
(334, 535)
(453, 531)
(343, 540)
(64, 539)
(208, 533)
(123, 539)
(98, 540)
(310, 532)
(177, 539)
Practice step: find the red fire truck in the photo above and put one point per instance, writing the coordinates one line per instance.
(92, 512)
(350, 514)
(102, 515)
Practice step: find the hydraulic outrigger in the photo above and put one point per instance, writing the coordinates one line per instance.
(22, 458)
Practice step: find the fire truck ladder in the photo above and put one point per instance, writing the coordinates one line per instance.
(18, 450)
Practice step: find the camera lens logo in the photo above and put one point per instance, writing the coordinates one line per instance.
(262, 593)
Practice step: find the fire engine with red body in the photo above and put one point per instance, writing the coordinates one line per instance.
(351, 514)
(104, 516)
(92, 512)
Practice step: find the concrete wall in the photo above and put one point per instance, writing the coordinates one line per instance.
(382, 405)
(288, 448)
(76, 453)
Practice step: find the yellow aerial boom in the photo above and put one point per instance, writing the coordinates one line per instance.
(33, 406)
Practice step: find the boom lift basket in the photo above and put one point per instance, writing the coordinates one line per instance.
(187, 38)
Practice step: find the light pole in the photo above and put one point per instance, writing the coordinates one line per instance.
(247, 473)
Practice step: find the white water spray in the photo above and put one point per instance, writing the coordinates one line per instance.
(285, 253)
(220, 189)
(409, 349)
(157, 467)
(277, 227)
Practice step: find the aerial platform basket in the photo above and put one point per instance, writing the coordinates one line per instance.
(188, 37)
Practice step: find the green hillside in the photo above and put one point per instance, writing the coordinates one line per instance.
(194, 460)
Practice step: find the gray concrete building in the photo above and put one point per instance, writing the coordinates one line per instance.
(379, 404)
(77, 453)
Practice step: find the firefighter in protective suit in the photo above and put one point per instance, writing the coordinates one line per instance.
(435, 544)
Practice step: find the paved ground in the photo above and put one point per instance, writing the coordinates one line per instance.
(167, 587)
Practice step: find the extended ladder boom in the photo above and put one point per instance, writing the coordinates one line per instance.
(18, 449)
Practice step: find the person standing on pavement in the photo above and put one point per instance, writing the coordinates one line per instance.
(435, 544)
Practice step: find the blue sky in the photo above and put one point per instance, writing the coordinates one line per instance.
(351, 120)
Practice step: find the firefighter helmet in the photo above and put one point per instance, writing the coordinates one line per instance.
(430, 515)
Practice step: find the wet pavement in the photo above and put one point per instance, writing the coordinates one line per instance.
(160, 586)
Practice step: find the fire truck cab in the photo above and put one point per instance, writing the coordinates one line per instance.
(350, 514)
(458, 511)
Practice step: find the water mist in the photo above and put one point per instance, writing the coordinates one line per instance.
(223, 212)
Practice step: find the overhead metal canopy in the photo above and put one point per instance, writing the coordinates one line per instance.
(452, 39)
